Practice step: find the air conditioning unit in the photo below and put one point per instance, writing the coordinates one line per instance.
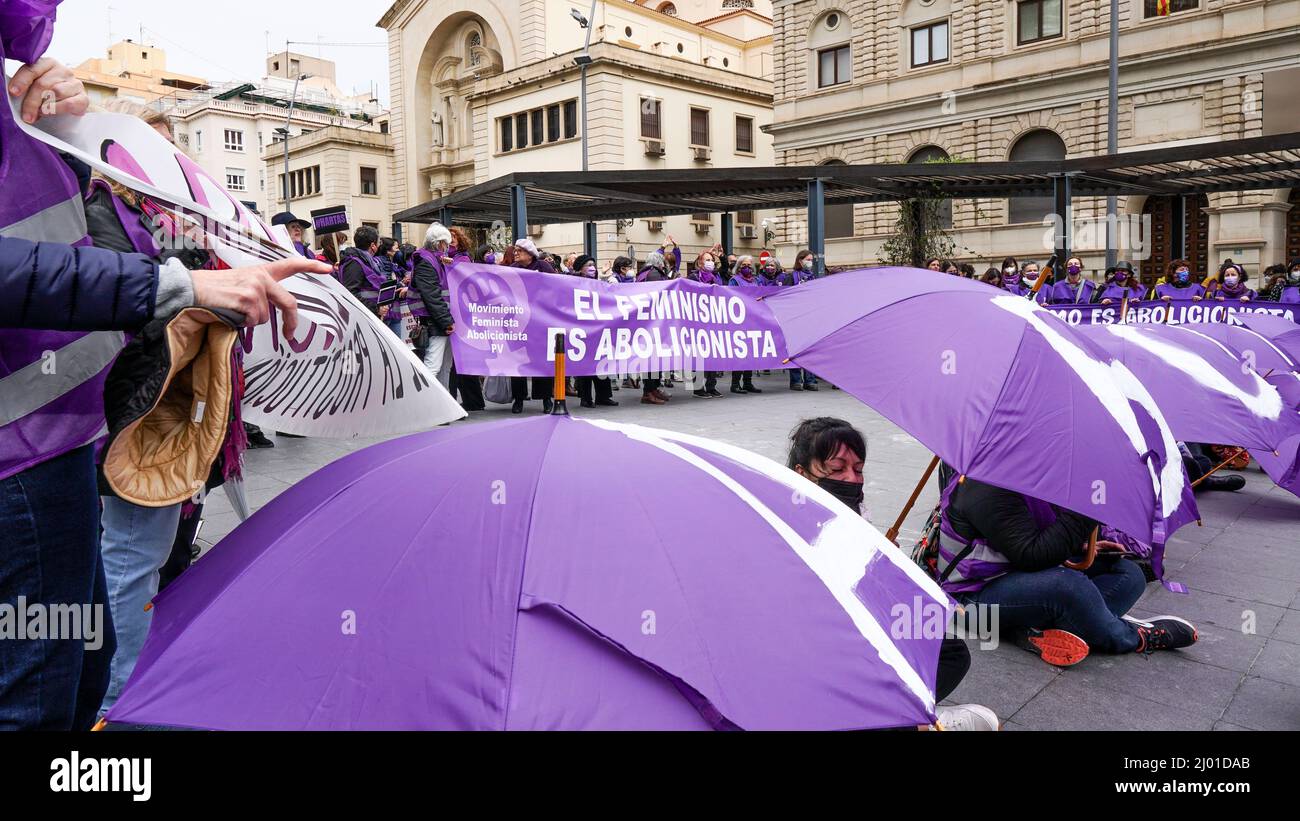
(702, 152)
(535, 230)
(703, 227)
(748, 232)
(654, 226)
(655, 148)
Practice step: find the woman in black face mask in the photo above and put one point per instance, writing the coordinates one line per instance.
(831, 453)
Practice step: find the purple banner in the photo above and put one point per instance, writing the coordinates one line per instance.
(1172, 312)
(507, 318)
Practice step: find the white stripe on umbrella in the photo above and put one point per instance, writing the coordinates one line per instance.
(839, 556)
(1114, 386)
(1266, 402)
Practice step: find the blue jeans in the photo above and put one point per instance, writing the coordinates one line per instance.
(135, 545)
(798, 376)
(394, 323)
(49, 518)
(1087, 603)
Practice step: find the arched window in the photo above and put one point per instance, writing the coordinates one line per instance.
(830, 50)
(838, 218)
(1041, 145)
(668, 9)
(931, 154)
(472, 43)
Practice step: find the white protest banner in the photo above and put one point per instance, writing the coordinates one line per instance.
(345, 374)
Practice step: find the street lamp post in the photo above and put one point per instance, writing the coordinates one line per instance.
(583, 60)
(287, 120)
(1112, 132)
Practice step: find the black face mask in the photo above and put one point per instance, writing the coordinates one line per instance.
(850, 493)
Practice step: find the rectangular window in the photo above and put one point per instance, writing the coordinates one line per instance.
(1038, 20)
(507, 134)
(930, 44)
(1164, 8)
(235, 179)
(699, 127)
(552, 123)
(570, 119)
(369, 182)
(383, 127)
(745, 135)
(538, 128)
(744, 217)
(234, 140)
(834, 66)
(650, 116)
(521, 131)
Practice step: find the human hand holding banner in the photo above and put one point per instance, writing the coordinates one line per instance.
(343, 373)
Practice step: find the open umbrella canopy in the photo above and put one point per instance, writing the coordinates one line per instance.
(1000, 389)
(1205, 390)
(549, 573)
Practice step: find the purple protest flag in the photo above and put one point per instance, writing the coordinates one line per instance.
(1001, 389)
(1206, 391)
(505, 316)
(733, 593)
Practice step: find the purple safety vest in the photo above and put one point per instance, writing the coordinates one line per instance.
(51, 382)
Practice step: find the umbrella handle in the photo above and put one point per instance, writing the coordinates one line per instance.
(1088, 557)
(892, 533)
(1219, 466)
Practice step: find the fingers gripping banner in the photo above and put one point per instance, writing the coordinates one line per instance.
(343, 373)
(506, 320)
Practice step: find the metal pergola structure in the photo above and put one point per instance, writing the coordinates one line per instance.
(545, 197)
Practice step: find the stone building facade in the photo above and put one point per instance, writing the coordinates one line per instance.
(993, 80)
(482, 88)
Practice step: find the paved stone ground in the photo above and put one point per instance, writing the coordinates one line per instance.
(1242, 565)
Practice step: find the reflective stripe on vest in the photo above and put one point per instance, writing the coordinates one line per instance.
(43, 380)
(62, 222)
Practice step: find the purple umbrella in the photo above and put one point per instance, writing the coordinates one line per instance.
(1000, 389)
(1263, 344)
(550, 573)
(1206, 391)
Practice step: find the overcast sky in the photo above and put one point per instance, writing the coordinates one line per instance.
(227, 39)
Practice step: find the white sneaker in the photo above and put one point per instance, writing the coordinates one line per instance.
(968, 717)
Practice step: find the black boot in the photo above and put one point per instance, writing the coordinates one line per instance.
(1219, 481)
(518, 406)
(749, 388)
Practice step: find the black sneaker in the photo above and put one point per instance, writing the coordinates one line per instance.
(1163, 633)
(1057, 647)
(587, 403)
(752, 389)
(714, 393)
(257, 439)
(547, 405)
(809, 387)
(738, 389)
(607, 403)
(701, 393)
(518, 406)
(1221, 481)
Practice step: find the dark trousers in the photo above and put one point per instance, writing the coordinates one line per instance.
(178, 561)
(650, 385)
(954, 661)
(604, 388)
(543, 388)
(471, 391)
(49, 515)
(737, 376)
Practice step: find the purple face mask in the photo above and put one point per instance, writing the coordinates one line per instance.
(746, 271)
(1073, 270)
